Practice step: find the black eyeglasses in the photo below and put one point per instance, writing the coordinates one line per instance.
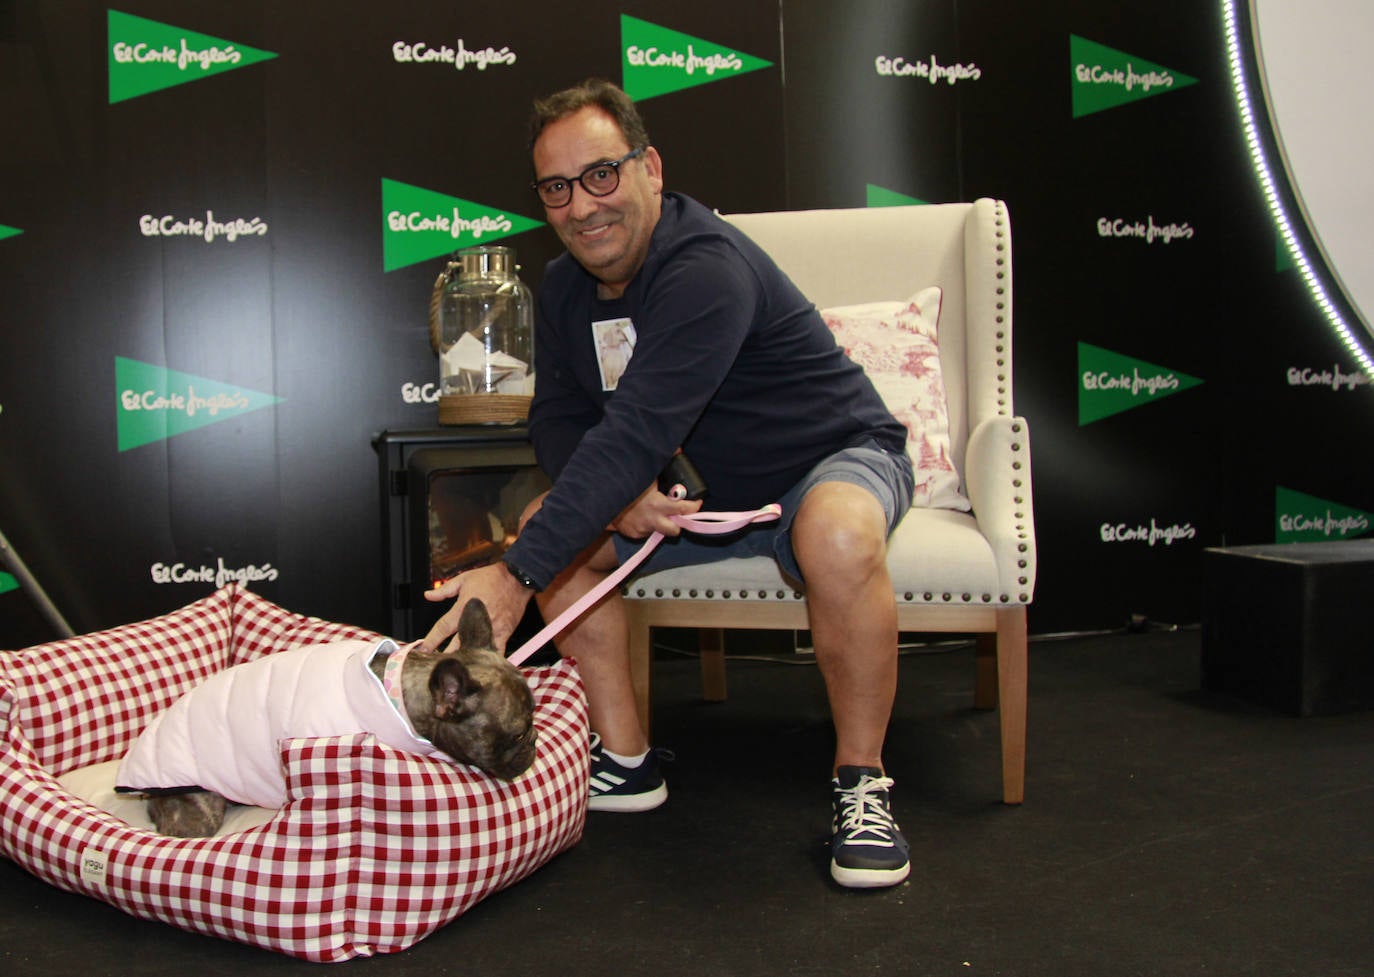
(599, 179)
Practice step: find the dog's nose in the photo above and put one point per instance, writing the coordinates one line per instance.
(522, 751)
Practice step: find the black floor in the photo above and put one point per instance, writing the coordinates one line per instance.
(1165, 832)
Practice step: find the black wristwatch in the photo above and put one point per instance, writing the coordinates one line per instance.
(525, 579)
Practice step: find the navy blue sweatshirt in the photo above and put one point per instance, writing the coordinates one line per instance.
(731, 362)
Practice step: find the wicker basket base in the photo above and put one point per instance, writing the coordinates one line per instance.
(483, 408)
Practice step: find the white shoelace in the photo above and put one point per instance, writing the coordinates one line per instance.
(865, 819)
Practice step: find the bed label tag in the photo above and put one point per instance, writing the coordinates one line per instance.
(93, 866)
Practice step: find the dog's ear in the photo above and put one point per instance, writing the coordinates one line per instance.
(474, 626)
(450, 685)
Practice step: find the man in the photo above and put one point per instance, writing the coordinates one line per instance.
(730, 363)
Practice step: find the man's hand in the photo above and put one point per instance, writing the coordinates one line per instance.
(652, 513)
(502, 593)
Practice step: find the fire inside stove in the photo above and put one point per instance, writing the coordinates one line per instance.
(474, 515)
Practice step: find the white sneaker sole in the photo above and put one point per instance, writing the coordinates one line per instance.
(629, 803)
(868, 878)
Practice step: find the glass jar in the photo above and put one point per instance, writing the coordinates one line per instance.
(485, 338)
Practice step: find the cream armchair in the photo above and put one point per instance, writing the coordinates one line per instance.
(952, 571)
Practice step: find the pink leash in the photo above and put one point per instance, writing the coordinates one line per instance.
(708, 523)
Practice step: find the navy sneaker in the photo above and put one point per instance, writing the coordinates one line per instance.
(867, 849)
(624, 789)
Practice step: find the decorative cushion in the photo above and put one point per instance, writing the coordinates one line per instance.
(374, 849)
(897, 344)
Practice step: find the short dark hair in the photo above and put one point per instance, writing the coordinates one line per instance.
(592, 93)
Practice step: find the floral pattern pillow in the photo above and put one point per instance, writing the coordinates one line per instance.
(897, 344)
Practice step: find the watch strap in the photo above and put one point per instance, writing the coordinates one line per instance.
(524, 578)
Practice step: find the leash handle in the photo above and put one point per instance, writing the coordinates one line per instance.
(706, 523)
(720, 523)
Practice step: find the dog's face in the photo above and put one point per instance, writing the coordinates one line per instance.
(473, 704)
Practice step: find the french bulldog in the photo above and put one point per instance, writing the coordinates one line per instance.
(472, 704)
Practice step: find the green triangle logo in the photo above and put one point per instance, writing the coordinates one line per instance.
(880, 197)
(8, 583)
(146, 56)
(1103, 78)
(154, 403)
(7, 231)
(419, 224)
(1109, 383)
(657, 60)
(1300, 518)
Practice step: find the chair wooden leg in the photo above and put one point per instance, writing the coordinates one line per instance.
(985, 676)
(1012, 687)
(641, 655)
(711, 642)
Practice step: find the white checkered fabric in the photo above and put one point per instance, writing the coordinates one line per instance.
(375, 848)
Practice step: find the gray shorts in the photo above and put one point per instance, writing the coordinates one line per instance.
(886, 474)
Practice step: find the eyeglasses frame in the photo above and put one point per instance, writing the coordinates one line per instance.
(614, 164)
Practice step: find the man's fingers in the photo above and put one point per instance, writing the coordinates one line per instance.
(445, 591)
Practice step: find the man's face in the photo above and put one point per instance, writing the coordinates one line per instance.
(609, 236)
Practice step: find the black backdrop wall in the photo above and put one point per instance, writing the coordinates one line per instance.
(216, 278)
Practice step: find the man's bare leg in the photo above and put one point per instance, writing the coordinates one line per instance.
(840, 540)
(599, 641)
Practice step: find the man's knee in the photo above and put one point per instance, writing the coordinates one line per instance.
(839, 526)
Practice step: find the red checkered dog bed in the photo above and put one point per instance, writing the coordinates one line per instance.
(375, 848)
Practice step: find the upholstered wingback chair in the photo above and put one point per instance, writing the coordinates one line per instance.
(952, 571)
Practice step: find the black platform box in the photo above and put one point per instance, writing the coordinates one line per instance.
(1288, 624)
